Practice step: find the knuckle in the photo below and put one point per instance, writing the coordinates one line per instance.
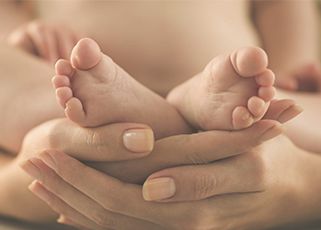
(192, 156)
(204, 186)
(96, 140)
(104, 220)
(197, 158)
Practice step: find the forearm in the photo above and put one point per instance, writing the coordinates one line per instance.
(289, 31)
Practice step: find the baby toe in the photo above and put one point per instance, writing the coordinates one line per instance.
(266, 93)
(63, 94)
(249, 61)
(266, 78)
(241, 118)
(75, 111)
(59, 81)
(257, 106)
(86, 54)
(63, 67)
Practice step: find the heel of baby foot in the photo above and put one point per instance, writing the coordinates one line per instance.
(75, 112)
(86, 54)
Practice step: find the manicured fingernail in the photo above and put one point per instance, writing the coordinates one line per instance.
(290, 113)
(48, 159)
(159, 189)
(30, 168)
(139, 140)
(63, 220)
(272, 132)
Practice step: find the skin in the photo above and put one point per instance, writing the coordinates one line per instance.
(282, 39)
(69, 137)
(47, 41)
(7, 55)
(260, 168)
(29, 84)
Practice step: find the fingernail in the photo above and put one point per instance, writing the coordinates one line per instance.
(60, 220)
(290, 113)
(298, 108)
(30, 168)
(272, 132)
(159, 188)
(139, 140)
(48, 159)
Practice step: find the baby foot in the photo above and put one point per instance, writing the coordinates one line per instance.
(232, 92)
(95, 91)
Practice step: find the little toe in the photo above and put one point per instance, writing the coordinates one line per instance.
(266, 78)
(257, 106)
(59, 81)
(86, 54)
(266, 93)
(63, 94)
(241, 118)
(63, 67)
(249, 61)
(75, 111)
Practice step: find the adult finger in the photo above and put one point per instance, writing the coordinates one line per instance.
(60, 207)
(240, 174)
(111, 193)
(209, 146)
(205, 147)
(67, 195)
(191, 149)
(113, 142)
(283, 110)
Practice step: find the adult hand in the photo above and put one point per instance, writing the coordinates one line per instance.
(182, 149)
(122, 142)
(269, 186)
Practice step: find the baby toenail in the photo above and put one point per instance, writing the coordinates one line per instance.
(139, 140)
(245, 116)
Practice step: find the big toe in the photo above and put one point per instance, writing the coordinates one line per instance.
(249, 61)
(86, 54)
